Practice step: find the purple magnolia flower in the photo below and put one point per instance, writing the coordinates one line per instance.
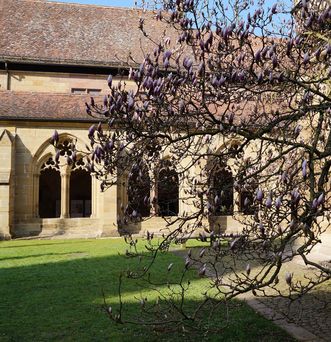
(320, 199)
(314, 204)
(284, 177)
(304, 168)
(259, 195)
(110, 81)
(305, 58)
(166, 63)
(202, 270)
(91, 131)
(278, 202)
(130, 102)
(288, 278)
(167, 55)
(248, 269)
(268, 202)
(187, 262)
(274, 9)
(297, 130)
(295, 195)
(57, 156)
(55, 138)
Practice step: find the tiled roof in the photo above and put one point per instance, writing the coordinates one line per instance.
(43, 106)
(50, 32)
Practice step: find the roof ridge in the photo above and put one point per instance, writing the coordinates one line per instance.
(132, 8)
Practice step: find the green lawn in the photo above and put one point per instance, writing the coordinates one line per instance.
(52, 291)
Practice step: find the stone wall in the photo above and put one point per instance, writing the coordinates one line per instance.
(7, 180)
(19, 204)
(55, 82)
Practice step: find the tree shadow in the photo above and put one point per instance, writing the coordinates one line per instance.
(312, 311)
(39, 255)
(73, 241)
(62, 301)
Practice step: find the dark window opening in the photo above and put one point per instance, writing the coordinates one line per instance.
(222, 192)
(49, 193)
(78, 91)
(247, 202)
(94, 91)
(80, 193)
(139, 191)
(168, 192)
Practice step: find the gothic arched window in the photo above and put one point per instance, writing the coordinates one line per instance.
(168, 190)
(139, 190)
(80, 191)
(49, 190)
(222, 192)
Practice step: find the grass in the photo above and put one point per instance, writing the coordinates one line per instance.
(51, 290)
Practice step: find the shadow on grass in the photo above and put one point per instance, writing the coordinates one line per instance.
(62, 242)
(62, 301)
(39, 255)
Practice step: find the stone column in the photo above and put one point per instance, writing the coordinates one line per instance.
(94, 197)
(35, 205)
(65, 193)
(110, 211)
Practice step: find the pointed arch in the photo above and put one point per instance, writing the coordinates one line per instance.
(138, 190)
(222, 191)
(167, 189)
(49, 196)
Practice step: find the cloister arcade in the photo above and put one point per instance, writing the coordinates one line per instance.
(59, 198)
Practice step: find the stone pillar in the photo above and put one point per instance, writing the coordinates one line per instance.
(7, 189)
(110, 211)
(153, 191)
(94, 197)
(35, 200)
(65, 194)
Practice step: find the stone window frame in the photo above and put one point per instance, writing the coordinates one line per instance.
(44, 154)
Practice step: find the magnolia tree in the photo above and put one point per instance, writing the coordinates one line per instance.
(238, 98)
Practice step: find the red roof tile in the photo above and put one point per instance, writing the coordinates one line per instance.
(43, 106)
(51, 32)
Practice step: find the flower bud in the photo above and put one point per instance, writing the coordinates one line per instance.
(248, 269)
(55, 138)
(320, 199)
(278, 202)
(268, 202)
(304, 168)
(110, 80)
(259, 195)
(288, 278)
(202, 270)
